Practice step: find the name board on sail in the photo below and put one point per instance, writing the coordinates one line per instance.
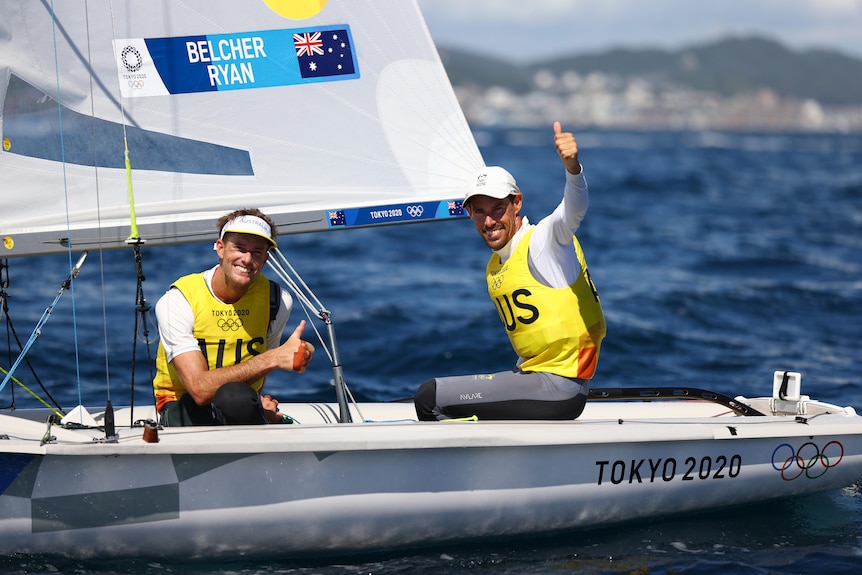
(236, 61)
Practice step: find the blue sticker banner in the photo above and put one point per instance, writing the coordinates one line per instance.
(241, 60)
(395, 213)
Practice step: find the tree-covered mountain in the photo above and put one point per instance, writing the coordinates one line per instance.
(725, 67)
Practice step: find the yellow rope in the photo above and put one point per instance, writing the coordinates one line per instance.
(31, 392)
(133, 236)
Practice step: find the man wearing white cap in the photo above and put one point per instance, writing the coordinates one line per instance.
(221, 331)
(538, 279)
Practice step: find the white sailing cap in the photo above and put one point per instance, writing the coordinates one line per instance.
(249, 225)
(491, 181)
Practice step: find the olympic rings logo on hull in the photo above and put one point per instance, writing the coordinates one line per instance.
(809, 459)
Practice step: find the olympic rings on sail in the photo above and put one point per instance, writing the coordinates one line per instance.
(808, 459)
(415, 211)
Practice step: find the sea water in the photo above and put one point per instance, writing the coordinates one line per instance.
(719, 258)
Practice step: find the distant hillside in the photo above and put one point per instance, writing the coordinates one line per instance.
(726, 67)
(466, 68)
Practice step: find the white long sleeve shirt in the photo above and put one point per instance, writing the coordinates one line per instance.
(552, 256)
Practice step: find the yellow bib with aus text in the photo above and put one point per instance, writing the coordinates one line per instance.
(555, 330)
(227, 334)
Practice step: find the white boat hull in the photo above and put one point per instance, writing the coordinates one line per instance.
(319, 488)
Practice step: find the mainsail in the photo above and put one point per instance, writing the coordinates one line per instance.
(325, 115)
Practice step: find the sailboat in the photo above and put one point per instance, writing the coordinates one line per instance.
(139, 124)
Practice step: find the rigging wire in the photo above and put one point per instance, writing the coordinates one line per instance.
(66, 194)
(12, 333)
(142, 307)
(37, 331)
(280, 265)
(98, 208)
(313, 306)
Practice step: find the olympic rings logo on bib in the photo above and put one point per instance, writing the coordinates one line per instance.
(231, 324)
(808, 459)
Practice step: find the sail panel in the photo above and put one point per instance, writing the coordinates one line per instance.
(32, 121)
(235, 107)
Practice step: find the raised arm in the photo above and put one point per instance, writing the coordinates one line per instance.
(552, 255)
(566, 218)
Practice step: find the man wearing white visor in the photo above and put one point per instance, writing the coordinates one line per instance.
(221, 332)
(539, 282)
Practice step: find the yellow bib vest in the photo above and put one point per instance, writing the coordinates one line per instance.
(227, 333)
(555, 330)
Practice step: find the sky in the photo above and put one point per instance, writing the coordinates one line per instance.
(524, 30)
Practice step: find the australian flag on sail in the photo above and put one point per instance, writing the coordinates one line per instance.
(323, 53)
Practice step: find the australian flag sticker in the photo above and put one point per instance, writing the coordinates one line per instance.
(324, 52)
(455, 208)
(337, 218)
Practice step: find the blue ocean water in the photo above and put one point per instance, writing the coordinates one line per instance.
(719, 258)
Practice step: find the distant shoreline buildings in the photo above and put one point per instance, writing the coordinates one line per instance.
(607, 101)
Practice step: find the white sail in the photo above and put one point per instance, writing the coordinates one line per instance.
(323, 117)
